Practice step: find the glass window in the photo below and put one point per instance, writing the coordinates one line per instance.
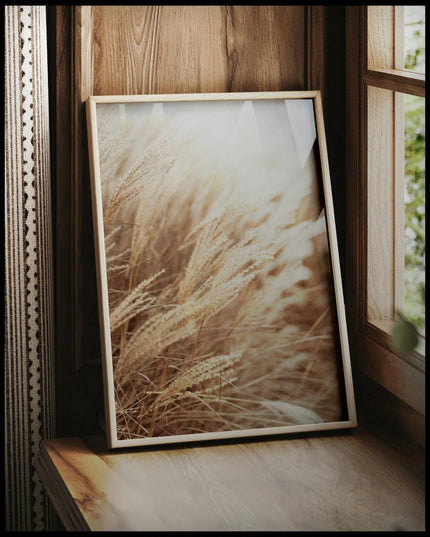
(414, 38)
(396, 166)
(414, 195)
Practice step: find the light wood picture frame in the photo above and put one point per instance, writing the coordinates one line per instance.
(220, 295)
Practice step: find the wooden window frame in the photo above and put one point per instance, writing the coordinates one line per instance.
(373, 265)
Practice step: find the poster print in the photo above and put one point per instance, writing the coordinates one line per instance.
(219, 285)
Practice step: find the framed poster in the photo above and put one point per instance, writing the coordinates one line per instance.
(220, 295)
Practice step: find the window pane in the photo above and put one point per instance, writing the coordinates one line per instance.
(414, 38)
(414, 308)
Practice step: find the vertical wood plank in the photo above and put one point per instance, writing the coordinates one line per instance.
(399, 45)
(380, 203)
(265, 47)
(399, 170)
(386, 124)
(192, 53)
(399, 204)
(59, 49)
(380, 38)
(125, 47)
(86, 343)
(329, 63)
(316, 49)
(355, 172)
(76, 403)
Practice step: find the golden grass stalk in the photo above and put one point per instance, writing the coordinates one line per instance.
(132, 185)
(219, 367)
(218, 306)
(134, 304)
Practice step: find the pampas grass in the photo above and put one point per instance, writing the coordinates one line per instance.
(220, 315)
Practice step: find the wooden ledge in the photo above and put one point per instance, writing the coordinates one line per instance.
(331, 482)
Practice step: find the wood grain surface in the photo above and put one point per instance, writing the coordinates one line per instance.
(380, 206)
(189, 49)
(347, 482)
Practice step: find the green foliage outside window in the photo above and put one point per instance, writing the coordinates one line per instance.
(414, 309)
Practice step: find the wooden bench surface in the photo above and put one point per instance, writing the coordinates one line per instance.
(331, 482)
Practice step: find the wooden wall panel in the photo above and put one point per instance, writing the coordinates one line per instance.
(139, 50)
(188, 49)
